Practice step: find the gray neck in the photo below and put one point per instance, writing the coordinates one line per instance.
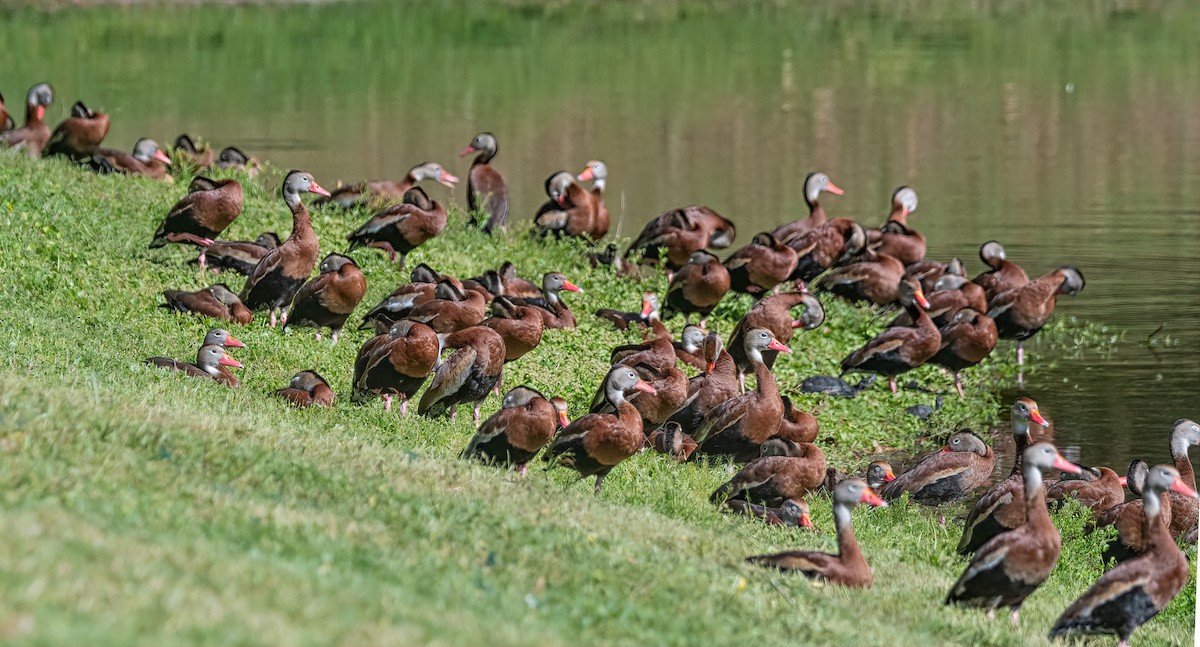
(292, 199)
(1033, 480)
(1150, 504)
(598, 184)
(841, 516)
(754, 355)
(1179, 445)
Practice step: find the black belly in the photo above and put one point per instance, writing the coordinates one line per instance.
(275, 290)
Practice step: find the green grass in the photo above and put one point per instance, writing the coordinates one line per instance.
(144, 508)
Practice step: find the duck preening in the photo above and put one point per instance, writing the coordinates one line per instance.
(328, 299)
(241, 256)
(758, 267)
(1004, 274)
(35, 134)
(395, 363)
(774, 313)
(210, 360)
(786, 470)
(79, 135)
(487, 192)
(677, 233)
(358, 193)
(467, 375)
(571, 210)
(515, 434)
(966, 341)
(199, 155)
(597, 172)
(697, 287)
(399, 229)
(1022, 311)
(232, 157)
(307, 389)
(199, 217)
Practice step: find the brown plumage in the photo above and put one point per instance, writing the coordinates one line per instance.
(1098, 488)
(697, 287)
(6, 122)
(232, 157)
(327, 300)
(689, 350)
(1021, 312)
(950, 294)
(1004, 274)
(515, 434)
(717, 384)
(199, 217)
(822, 248)
(1184, 434)
(670, 439)
(596, 443)
(423, 287)
(284, 269)
(186, 149)
(1135, 591)
(147, 160)
(786, 470)
(520, 326)
(597, 172)
(679, 232)
(377, 191)
(570, 212)
(965, 342)
(814, 184)
(873, 278)
(740, 425)
(451, 310)
(216, 301)
(395, 363)
(1002, 507)
(929, 272)
(900, 349)
(487, 191)
(467, 375)
(78, 136)
(623, 320)
(209, 362)
(791, 513)
(555, 313)
(947, 476)
(797, 426)
(401, 228)
(774, 313)
(758, 267)
(895, 238)
(846, 568)
(306, 389)
(1011, 566)
(241, 256)
(1129, 518)
(35, 134)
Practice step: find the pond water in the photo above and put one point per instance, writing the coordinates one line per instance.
(1068, 132)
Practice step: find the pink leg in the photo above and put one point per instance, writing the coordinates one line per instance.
(1014, 617)
(318, 335)
(203, 260)
(991, 614)
(892, 383)
(477, 405)
(404, 407)
(273, 321)
(283, 321)
(958, 385)
(453, 413)
(704, 323)
(387, 401)
(521, 469)
(335, 337)
(1020, 353)
(742, 380)
(670, 275)
(189, 238)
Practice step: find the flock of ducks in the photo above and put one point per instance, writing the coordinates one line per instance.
(439, 325)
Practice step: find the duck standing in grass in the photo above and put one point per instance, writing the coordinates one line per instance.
(399, 229)
(199, 217)
(79, 135)
(395, 363)
(467, 375)
(280, 273)
(515, 434)
(487, 191)
(901, 348)
(328, 299)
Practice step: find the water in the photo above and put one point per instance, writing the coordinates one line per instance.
(1066, 130)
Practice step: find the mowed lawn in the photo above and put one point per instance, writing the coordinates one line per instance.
(141, 507)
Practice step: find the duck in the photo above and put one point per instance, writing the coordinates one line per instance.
(1184, 435)
(399, 229)
(785, 470)
(1011, 566)
(487, 192)
(241, 256)
(900, 349)
(1004, 274)
(467, 375)
(814, 184)
(395, 364)
(928, 272)
(209, 360)
(1022, 311)
(950, 294)
(651, 309)
(965, 342)
(697, 287)
(216, 301)
(1135, 591)
(594, 444)
(423, 286)
(327, 300)
(689, 350)
(147, 160)
(879, 473)
(774, 312)
(679, 232)
(374, 191)
(280, 273)
(895, 238)
(232, 157)
(452, 308)
(794, 513)
(819, 250)
(672, 440)
(555, 313)
(199, 217)
(655, 365)
(1002, 507)
(848, 567)
(221, 337)
(947, 476)
(307, 389)
(717, 384)
(521, 327)
(1129, 518)
(873, 277)
(570, 211)
(596, 172)
(739, 426)
(200, 156)
(758, 267)
(512, 436)
(79, 135)
(797, 426)
(1098, 488)
(35, 134)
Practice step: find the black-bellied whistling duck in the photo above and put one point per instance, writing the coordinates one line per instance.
(284, 269)
(1002, 507)
(717, 384)
(307, 389)
(1129, 518)
(679, 232)
(241, 256)
(555, 313)
(327, 300)
(848, 567)
(33, 136)
(1022, 311)
(421, 288)
(672, 440)
(928, 272)
(786, 470)
(78, 136)
(395, 363)
(879, 473)
(690, 347)
(216, 301)
(487, 192)
(515, 286)
(350, 195)
(1098, 488)
(950, 294)
(570, 210)
(1184, 434)
(451, 310)
(895, 238)
(697, 287)
(1135, 591)
(200, 216)
(739, 426)
(146, 160)
(792, 513)
(1009, 567)
(654, 362)
(6, 121)
(774, 312)
(401, 228)
(209, 360)
(221, 337)
(232, 157)
(820, 249)
(904, 202)
(966, 341)
(200, 156)
(597, 172)
(467, 376)
(596, 443)
(814, 184)
(515, 434)
(622, 320)
(1004, 274)
(758, 267)
(797, 426)
(520, 326)
(899, 349)
(873, 278)
(947, 476)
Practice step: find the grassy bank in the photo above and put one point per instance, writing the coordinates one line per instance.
(144, 508)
